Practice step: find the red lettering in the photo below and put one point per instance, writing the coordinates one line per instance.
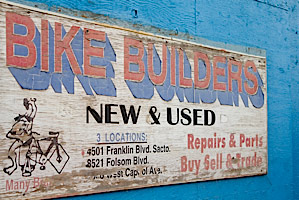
(65, 46)
(234, 75)
(157, 79)
(251, 77)
(184, 82)
(261, 142)
(45, 45)
(204, 83)
(197, 143)
(242, 139)
(137, 59)
(9, 185)
(207, 162)
(218, 71)
(90, 70)
(28, 61)
(213, 164)
(36, 182)
(248, 161)
(183, 164)
(203, 144)
(190, 141)
(259, 161)
(172, 66)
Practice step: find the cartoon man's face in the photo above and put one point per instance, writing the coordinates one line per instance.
(19, 127)
(26, 103)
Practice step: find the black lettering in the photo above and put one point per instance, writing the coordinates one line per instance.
(169, 117)
(131, 113)
(195, 116)
(185, 116)
(206, 116)
(94, 113)
(108, 113)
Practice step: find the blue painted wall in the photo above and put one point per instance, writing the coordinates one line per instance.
(271, 25)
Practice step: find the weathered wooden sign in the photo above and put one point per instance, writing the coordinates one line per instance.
(89, 108)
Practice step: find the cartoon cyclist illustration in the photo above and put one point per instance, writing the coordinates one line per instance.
(30, 142)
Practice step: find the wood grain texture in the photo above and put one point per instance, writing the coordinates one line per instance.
(66, 113)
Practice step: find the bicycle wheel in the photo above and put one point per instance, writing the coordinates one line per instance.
(58, 159)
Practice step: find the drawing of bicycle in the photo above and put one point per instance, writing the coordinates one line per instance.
(43, 151)
(30, 148)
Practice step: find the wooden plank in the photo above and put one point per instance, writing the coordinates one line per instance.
(90, 108)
